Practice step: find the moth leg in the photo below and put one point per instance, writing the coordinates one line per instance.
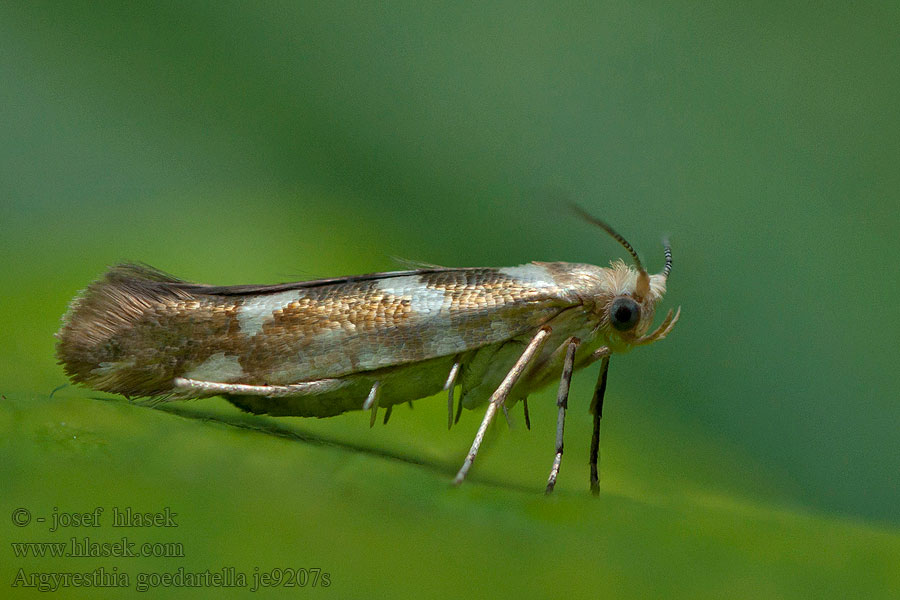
(373, 396)
(371, 402)
(527, 416)
(387, 414)
(185, 386)
(459, 408)
(449, 385)
(597, 412)
(562, 402)
(601, 352)
(546, 371)
(506, 414)
(500, 395)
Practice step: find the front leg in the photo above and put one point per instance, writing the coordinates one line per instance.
(597, 412)
(560, 359)
(562, 403)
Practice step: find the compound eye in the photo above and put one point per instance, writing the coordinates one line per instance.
(624, 313)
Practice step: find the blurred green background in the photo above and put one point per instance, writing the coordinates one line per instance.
(754, 453)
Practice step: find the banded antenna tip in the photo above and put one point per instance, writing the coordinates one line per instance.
(667, 250)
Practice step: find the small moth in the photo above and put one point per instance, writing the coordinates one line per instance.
(320, 348)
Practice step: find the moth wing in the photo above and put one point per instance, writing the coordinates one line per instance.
(137, 329)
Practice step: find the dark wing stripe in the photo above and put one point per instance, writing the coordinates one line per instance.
(243, 290)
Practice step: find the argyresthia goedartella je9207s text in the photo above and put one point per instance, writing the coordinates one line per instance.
(320, 348)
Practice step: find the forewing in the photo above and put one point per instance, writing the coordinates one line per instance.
(135, 330)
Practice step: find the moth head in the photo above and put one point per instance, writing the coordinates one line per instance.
(630, 295)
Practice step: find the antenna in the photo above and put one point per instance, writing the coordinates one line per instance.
(615, 234)
(643, 281)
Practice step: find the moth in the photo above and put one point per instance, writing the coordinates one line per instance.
(321, 348)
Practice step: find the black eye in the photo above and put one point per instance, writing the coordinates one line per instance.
(625, 313)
